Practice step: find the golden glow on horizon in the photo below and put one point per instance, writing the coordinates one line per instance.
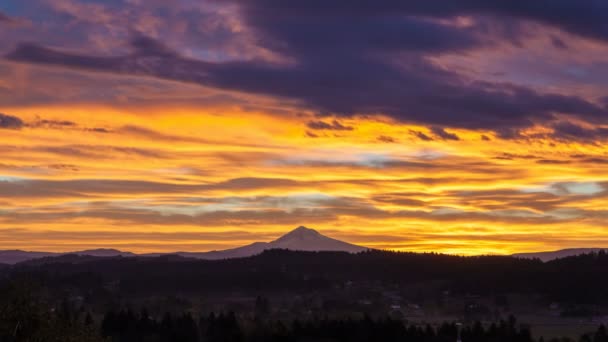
(167, 179)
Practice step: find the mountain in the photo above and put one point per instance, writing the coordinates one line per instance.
(12, 257)
(104, 252)
(16, 256)
(299, 239)
(562, 253)
(306, 239)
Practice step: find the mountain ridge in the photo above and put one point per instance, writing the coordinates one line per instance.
(557, 254)
(298, 239)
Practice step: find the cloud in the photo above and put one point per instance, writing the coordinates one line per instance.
(64, 124)
(5, 18)
(54, 124)
(421, 135)
(399, 199)
(585, 17)
(370, 61)
(10, 122)
(85, 237)
(558, 43)
(98, 130)
(209, 219)
(553, 161)
(572, 132)
(335, 125)
(99, 152)
(386, 139)
(311, 134)
(24, 188)
(441, 133)
(513, 156)
(589, 158)
(514, 208)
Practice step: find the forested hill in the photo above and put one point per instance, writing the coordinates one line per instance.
(580, 278)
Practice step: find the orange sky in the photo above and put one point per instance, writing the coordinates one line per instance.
(199, 179)
(154, 126)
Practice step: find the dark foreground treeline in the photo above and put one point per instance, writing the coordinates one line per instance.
(126, 327)
(580, 279)
(26, 315)
(34, 324)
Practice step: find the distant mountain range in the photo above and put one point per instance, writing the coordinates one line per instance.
(16, 256)
(562, 253)
(299, 239)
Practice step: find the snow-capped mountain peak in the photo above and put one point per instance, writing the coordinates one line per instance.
(306, 239)
(299, 234)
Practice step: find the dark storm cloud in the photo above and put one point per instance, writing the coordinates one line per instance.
(10, 122)
(335, 125)
(329, 87)
(583, 17)
(323, 33)
(365, 57)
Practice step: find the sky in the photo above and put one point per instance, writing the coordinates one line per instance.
(467, 127)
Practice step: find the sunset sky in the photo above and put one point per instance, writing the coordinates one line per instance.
(464, 127)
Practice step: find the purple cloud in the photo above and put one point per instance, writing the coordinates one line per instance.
(10, 122)
(363, 57)
(441, 133)
(335, 125)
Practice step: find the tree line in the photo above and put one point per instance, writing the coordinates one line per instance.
(577, 279)
(26, 316)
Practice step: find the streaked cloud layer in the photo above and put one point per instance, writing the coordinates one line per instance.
(462, 127)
